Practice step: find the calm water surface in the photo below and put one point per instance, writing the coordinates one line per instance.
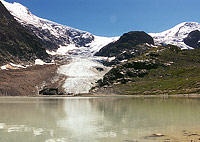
(110, 119)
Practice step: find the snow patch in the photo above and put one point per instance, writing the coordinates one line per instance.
(39, 62)
(111, 58)
(3, 67)
(13, 66)
(2, 126)
(18, 66)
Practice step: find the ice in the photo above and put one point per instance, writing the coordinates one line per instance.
(82, 73)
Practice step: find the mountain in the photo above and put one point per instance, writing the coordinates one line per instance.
(16, 43)
(176, 35)
(149, 69)
(56, 36)
(129, 45)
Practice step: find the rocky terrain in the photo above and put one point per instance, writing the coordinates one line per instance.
(27, 82)
(16, 43)
(193, 39)
(160, 70)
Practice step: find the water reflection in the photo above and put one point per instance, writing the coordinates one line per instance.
(94, 119)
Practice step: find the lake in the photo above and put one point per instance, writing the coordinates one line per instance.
(99, 119)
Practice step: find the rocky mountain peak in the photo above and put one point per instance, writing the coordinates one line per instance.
(136, 37)
(129, 45)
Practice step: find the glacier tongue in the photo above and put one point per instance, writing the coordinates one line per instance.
(82, 73)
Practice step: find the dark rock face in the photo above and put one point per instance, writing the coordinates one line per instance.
(193, 39)
(16, 43)
(48, 41)
(129, 45)
(49, 91)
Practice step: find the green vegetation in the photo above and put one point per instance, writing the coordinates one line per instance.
(170, 71)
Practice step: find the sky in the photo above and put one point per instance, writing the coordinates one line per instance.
(115, 17)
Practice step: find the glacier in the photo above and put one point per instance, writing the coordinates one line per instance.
(82, 67)
(82, 73)
(80, 46)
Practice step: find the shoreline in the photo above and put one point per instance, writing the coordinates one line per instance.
(105, 95)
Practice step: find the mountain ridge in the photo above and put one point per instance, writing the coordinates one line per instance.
(16, 43)
(176, 34)
(55, 35)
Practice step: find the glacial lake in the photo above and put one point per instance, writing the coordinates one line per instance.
(99, 119)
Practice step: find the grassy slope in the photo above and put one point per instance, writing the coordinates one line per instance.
(182, 76)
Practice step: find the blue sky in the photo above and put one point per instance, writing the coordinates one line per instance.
(115, 17)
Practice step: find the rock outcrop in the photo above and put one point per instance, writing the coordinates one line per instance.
(193, 39)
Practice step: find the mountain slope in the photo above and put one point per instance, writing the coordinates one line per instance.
(160, 70)
(16, 43)
(176, 35)
(54, 35)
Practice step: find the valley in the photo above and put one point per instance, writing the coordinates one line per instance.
(129, 73)
(135, 63)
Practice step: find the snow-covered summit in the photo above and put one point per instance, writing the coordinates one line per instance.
(176, 34)
(56, 36)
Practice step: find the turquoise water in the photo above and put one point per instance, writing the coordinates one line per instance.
(104, 119)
